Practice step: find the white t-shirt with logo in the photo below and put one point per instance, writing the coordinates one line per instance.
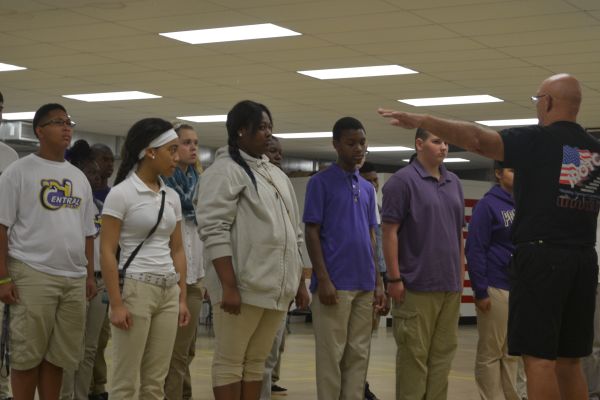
(98, 225)
(49, 209)
(137, 206)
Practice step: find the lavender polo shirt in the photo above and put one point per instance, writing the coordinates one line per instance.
(343, 204)
(431, 215)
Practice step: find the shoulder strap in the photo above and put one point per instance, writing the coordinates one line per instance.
(139, 246)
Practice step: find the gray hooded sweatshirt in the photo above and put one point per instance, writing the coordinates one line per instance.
(259, 229)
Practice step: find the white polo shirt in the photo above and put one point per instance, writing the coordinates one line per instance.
(137, 206)
(49, 209)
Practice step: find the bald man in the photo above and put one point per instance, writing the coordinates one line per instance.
(554, 268)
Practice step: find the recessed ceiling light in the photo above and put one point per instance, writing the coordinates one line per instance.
(10, 67)
(205, 118)
(18, 116)
(447, 160)
(450, 159)
(443, 101)
(303, 135)
(358, 72)
(509, 122)
(112, 96)
(231, 34)
(388, 148)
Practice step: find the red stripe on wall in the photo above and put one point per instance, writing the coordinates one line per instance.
(470, 202)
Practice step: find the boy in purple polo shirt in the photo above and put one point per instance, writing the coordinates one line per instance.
(340, 216)
(423, 213)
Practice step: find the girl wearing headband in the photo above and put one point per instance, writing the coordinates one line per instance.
(145, 315)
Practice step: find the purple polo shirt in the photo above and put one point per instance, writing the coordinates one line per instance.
(431, 215)
(343, 204)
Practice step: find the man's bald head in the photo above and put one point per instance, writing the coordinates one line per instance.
(559, 99)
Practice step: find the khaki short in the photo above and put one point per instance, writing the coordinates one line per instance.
(242, 343)
(48, 323)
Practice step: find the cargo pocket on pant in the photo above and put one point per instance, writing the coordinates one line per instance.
(405, 325)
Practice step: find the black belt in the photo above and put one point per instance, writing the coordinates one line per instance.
(98, 274)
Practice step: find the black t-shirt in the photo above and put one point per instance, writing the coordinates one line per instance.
(557, 183)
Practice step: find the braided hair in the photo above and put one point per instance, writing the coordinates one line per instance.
(138, 138)
(245, 114)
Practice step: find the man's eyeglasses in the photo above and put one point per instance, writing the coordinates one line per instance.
(59, 122)
(535, 99)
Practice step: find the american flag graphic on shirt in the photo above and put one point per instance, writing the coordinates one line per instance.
(577, 168)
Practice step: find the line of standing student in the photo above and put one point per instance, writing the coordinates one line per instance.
(246, 213)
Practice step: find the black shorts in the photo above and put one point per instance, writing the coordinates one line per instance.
(552, 301)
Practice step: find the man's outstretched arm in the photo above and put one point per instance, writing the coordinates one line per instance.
(467, 135)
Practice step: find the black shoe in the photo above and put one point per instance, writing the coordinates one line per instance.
(277, 390)
(368, 394)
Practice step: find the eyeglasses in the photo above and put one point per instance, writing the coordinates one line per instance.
(59, 122)
(535, 99)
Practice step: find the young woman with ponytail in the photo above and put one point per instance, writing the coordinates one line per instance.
(185, 182)
(250, 224)
(145, 315)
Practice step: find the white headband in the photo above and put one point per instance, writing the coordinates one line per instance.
(159, 141)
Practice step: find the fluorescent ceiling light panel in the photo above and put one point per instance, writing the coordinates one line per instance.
(10, 67)
(388, 148)
(450, 159)
(358, 72)
(304, 135)
(18, 116)
(509, 122)
(205, 118)
(111, 96)
(447, 160)
(231, 34)
(444, 101)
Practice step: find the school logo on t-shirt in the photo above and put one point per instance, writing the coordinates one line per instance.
(579, 179)
(97, 224)
(55, 195)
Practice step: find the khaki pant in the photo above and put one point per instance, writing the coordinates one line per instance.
(426, 330)
(100, 374)
(342, 344)
(4, 385)
(495, 370)
(76, 384)
(185, 342)
(143, 350)
(48, 322)
(242, 343)
(272, 360)
(277, 368)
(591, 363)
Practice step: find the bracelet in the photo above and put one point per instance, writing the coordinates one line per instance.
(394, 280)
(6, 280)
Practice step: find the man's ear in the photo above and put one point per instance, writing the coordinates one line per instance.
(419, 144)
(336, 144)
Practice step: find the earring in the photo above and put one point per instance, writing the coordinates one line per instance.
(240, 134)
(152, 156)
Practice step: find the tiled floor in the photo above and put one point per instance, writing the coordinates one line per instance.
(298, 368)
